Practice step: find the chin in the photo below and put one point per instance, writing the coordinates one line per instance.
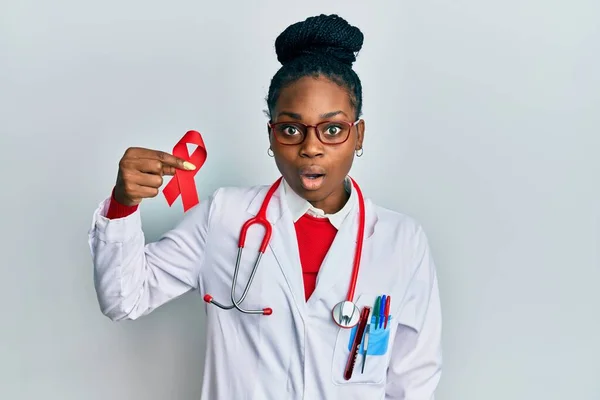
(307, 193)
(315, 196)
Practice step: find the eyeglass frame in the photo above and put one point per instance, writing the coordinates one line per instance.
(306, 126)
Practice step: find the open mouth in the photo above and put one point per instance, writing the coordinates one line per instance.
(312, 181)
(313, 176)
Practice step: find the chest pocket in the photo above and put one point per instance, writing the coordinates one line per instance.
(379, 346)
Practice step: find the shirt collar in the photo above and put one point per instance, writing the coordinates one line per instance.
(299, 206)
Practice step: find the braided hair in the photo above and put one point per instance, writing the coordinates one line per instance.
(324, 45)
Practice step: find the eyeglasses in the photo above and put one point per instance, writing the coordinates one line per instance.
(328, 132)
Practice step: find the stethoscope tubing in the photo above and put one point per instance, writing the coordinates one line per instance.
(261, 218)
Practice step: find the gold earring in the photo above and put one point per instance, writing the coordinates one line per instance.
(359, 152)
(270, 152)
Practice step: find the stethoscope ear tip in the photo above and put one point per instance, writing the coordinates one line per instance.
(267, 311)
(208, 298)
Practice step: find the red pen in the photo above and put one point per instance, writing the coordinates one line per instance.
(362, 324)
(388, 300)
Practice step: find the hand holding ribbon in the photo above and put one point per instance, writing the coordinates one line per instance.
(183, 182)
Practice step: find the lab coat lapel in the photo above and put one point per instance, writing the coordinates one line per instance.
(284, 243)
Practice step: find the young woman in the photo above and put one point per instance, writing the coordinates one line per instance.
(288, 335)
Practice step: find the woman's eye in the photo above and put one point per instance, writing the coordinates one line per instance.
(333, 130)
(289, 130)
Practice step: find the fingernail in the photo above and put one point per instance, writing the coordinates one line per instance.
(189, 166)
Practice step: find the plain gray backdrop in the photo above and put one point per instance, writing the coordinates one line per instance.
(482, 122)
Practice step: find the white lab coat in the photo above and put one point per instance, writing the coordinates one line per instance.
(297, 352)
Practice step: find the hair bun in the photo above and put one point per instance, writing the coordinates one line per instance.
(325, 35)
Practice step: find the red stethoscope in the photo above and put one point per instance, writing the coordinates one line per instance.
(345, 314)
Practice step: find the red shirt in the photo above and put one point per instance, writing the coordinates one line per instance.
(315, 236)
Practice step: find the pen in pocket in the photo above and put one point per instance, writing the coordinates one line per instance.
(363, 323)
(388, 300)
(365, 347)
(381, 311)
(376, 311)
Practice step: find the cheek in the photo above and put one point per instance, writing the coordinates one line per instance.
(343, 162)
(285, 154)
(284, 159)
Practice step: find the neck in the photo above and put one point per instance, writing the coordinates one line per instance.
(334, 202)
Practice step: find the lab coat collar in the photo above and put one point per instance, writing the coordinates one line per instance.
(299, 206)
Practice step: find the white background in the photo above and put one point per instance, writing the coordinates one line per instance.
(481, 122)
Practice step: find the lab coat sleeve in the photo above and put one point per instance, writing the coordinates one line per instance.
(415, 366)
(133, 278)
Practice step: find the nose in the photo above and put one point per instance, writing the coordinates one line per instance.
(311, 146)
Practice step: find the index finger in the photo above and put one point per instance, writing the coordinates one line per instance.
(167, 159)
(173, 161)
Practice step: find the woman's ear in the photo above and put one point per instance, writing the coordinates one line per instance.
(360, 129)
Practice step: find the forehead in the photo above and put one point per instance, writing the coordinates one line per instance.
(311, 96)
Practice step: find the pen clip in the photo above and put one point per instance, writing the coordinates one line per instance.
(365, 346)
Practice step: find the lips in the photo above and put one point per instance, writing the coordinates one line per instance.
(312, 171)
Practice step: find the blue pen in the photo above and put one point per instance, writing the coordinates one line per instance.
(382, 311)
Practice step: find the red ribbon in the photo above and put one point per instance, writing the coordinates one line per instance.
(183, 182)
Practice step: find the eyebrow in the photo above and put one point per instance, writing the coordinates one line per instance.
(299, 117)
(332, 114)
(289, 114)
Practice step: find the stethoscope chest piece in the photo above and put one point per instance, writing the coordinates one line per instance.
(345, 314)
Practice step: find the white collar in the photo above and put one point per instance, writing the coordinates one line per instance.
(299, 206)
